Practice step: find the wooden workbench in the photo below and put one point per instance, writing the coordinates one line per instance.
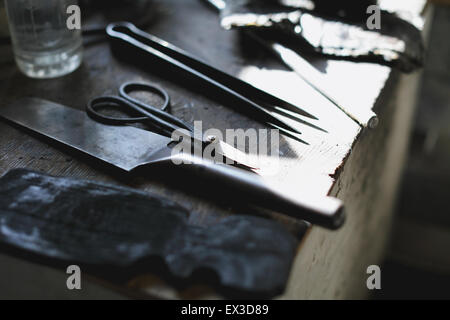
(361, 167)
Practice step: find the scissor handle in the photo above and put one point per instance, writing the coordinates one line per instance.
(95, 104)
(125, 101)
(161, 126)
(161, 112)
(128, 87)
(160, 119)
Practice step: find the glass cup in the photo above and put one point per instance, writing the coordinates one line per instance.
(44, 46)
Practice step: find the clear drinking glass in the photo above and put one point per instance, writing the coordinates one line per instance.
(44, 46)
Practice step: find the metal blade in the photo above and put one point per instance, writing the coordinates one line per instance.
(122, 146)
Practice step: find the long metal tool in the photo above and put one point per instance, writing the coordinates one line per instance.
(155, 52)
(130, 149)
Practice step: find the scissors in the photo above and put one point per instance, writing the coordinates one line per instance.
(158, 118)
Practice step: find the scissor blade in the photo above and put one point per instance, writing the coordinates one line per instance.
(124, 147)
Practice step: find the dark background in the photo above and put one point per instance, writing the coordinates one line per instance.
(418, 262)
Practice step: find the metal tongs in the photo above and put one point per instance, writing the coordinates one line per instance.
(157, 53)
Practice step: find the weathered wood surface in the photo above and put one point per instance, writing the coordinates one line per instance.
(361, 169)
